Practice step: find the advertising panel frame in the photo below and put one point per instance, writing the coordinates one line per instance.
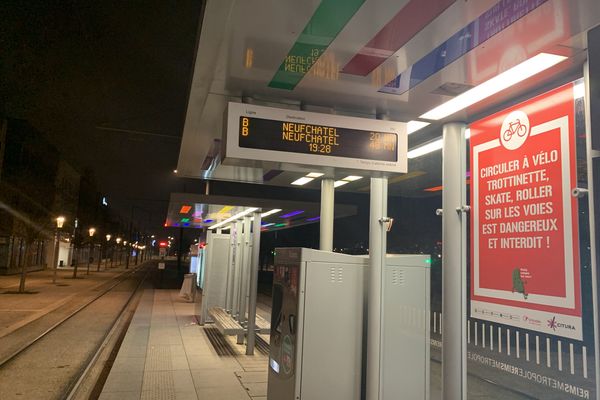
(554, 305)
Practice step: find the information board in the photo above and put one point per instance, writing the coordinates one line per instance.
(257, 134)
(524, 232)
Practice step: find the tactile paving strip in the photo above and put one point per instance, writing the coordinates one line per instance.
(159, 358)
(158, 385)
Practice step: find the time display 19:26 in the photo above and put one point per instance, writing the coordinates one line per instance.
(298, 137)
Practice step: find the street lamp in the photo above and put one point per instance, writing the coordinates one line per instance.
(59, 224)
(91, 232)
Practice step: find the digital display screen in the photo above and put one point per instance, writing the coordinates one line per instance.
(274, 365)
(298, 137)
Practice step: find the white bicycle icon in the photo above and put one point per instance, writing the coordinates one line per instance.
(514, 128)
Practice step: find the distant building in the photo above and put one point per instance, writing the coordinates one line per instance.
(29, 167)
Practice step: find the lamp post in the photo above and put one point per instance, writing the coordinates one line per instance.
(126, 254)
(91, 232)
(59, 224)
(99, 256)
(108, 236)
(118, 240)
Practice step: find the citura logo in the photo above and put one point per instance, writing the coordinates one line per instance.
(514, 130)
(552, 323)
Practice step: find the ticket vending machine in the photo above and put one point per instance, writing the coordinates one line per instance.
(318, 326)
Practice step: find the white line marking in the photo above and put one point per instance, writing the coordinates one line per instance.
(476, 333)
(468, 331)
(518, 345)
(491, 337)
(483, 335)
(499, 340)
(548, 352)
(537, 349)
(559, 355)
(572, 361)
(441, 323)
(527, 346)
(508, 341)
(434, 322)
(584, 360)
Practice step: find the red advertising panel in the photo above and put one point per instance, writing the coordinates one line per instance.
(524, 241)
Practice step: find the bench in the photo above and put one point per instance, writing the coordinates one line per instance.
(227, 325)
(225, 322)
(262, 325)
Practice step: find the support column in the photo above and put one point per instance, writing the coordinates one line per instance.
(593, 162)
(454, 310)
(230, 268)
(326, 221)
(254, 260)
(377, 253)
(245, 277)
(239, 258)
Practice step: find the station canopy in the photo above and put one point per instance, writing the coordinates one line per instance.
(207, 211)
(376, 59)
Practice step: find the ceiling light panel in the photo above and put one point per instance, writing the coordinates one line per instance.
(425, 149)
(273, 211)
(302, 181)
(413, 126)
(506, 79)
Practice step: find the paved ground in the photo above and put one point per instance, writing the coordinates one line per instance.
(43, 297)
(48, 368)
(166, 355)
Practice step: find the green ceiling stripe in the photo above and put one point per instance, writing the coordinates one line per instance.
(326, 23)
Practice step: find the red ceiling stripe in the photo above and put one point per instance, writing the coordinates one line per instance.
(413, 17)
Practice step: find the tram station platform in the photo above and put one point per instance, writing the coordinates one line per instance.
(166, 355)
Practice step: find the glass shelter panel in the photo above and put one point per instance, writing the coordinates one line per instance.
(417, 229)
(530, 317)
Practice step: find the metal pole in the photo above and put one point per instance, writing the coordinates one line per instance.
(454, 276)
(326, 221)
(592, 218)
(237, 263)
(87, 272)
(245, 277)
(76, 265)
(253, 284)
(230, 268)
(377, 252)
(99, 255)
(55, 256)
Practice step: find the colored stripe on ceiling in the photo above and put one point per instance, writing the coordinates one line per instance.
(493, 21)
(403, 26)
(185, 209)
(323, 27)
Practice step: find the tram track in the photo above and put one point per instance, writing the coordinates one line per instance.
(119, 296)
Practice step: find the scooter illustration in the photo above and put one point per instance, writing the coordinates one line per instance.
(518, 284)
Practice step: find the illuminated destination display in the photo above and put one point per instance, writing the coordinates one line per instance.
(299, 137)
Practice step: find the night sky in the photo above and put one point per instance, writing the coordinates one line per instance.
(91, 75)
(108, 83)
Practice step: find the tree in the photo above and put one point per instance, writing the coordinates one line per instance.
(32, 229)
